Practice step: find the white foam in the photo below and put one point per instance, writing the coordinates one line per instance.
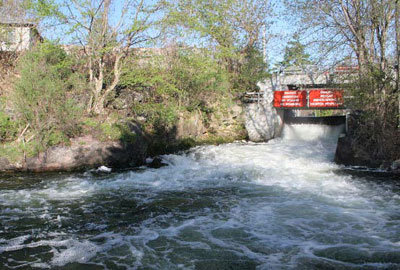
(314, 133)
(75, 251)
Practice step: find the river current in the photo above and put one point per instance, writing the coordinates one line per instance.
(277, 205)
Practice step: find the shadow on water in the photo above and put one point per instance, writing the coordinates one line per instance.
(372, 176)
(18, 180)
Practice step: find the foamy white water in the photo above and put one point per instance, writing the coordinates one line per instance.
(278, 205)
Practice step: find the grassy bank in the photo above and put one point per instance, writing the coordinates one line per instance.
(180, 100)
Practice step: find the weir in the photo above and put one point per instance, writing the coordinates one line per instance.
(322, 120)
(313, 133)
(269, 110)
(263, 122)
(290, 118)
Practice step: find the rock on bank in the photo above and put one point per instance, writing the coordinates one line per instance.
(83, 153)
(263, 122)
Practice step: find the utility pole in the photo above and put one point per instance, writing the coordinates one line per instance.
(265, 56)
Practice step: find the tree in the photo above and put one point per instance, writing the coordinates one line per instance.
(397, 27)
(12, 11)
(232, 29)
(41, 97)
(228, 26)
(295, 54)
(105, 31)
(367, 32)
(358, 27)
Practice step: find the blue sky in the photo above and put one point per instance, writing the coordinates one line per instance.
(280, 31)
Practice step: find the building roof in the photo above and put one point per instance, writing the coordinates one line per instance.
(16, 23)
(10, 19)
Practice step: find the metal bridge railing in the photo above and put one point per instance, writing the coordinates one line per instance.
(253, 97)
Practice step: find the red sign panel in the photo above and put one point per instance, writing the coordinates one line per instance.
(325, 98)
(290, 99)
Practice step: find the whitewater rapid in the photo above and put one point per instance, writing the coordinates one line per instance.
(277, 205)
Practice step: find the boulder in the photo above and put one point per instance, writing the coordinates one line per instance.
(86, 153)
(157, 163)
(395, 166)
(6, 165)
(263, 122)
(347, 155)
(344, 152)
(190, 126)
(4, 162)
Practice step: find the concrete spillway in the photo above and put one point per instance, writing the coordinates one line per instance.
(264, 122)
(324, 120)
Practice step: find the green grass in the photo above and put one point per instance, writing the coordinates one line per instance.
(108, 131)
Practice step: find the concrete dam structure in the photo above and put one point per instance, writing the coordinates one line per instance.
(268, 110)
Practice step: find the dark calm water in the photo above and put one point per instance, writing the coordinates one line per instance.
(279, 205)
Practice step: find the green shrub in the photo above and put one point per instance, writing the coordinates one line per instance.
(42, 95)
(109, 131)
(152, 79)
(251, 71)
(170, 84)
(13, 151)
(8, 126)
(157, 114)
(198, 76)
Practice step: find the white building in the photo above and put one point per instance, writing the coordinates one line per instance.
(15, 36)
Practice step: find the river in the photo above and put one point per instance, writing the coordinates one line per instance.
(277, 205)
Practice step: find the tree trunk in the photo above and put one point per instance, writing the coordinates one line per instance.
(98, 79)
(102, 94)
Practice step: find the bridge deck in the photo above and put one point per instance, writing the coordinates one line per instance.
(309, 99)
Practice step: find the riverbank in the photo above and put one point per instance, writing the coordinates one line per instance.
(51, 117)
(121, 143)
(359, 148)
(129, 147)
